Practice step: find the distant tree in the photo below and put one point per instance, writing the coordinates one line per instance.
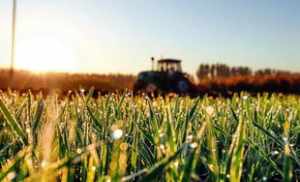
(244, 71)
(222, 70)
(263, 72)
(203, 71)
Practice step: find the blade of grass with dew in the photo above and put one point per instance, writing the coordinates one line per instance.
(189, 117)
(12, 164)
(91, 174)
(152, 173)
(14, 125)
(264, 156)
(237, 160)
(287, 163)
(90, 95)
(188, 167)
(278, 141)
(36, 122)
(213, 159)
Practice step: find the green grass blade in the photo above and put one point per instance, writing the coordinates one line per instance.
(14, 125)
(152, 173)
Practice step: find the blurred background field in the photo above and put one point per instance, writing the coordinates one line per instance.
(213, 80)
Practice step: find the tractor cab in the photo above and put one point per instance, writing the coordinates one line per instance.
(169, 65)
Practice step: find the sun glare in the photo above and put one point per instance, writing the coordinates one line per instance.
(45, 54)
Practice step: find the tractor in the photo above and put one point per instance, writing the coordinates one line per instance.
(166, 78)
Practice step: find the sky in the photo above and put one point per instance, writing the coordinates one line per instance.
(120, 36)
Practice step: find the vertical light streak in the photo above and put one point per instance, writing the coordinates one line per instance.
(13, 38)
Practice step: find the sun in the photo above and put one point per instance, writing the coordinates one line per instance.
(45, 54)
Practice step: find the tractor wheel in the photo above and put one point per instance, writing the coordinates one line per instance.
(183, 86)
(151, 88)
(138, 87)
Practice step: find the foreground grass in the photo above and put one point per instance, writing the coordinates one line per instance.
(125, 138)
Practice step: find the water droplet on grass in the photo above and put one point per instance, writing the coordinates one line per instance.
(210, 110)
(82, 91)
(44, 163)
(162, 147)
(117, 134)
(275, 152)
(193, 145)
(285, 140)
(27, 130)
(245, 97)
(11, 176)
(264, 178)
(79, 151)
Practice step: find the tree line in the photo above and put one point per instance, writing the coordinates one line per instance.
(220, 79)
(215, 71)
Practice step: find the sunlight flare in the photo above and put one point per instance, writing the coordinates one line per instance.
(45, 54)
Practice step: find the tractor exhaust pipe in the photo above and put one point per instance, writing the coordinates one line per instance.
(152, 63)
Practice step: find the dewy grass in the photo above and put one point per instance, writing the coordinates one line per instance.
(120, 137)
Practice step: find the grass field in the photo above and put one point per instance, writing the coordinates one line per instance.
(127, 138)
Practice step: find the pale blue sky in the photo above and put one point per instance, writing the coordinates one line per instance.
(120, 36)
